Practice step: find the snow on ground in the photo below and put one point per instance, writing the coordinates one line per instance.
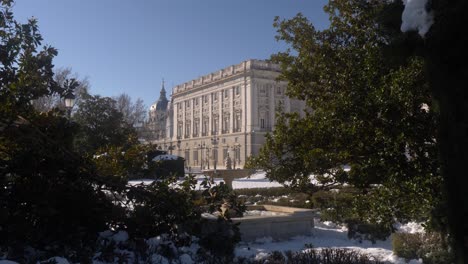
(325, 234)
(199, 178)
(410, 227)
(256, 180)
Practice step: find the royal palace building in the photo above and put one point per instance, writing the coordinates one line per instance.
(223, 114)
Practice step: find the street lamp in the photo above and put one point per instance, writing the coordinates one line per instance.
(69, 102)
(171, 148)
(214, 142)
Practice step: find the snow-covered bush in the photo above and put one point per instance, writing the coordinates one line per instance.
(325, 255)
(430, 247)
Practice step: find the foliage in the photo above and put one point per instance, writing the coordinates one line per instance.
(367, 110)
(48, 197)
(102, 126)
(222, 199)
(219, 237)
(162, 207)
(54, 201)
(360, 230)
(125, 163)
(430, 247)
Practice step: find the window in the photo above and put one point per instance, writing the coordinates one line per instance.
(215, 126)
(179, 130)
(196, 101)
(195, 128)
(262, 123)
(237, 123)
(278, 90)
(205, 127)
(195, 156)
(226, 124)
(226, 93)
(179, 106)
(205, 99)
(187, 103)
(237, 154)
(187, 129)
(215, 96)
(187, 156)
(237, 90)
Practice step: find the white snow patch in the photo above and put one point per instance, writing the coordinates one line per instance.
(324, 235)
(411, 227)
(262, 213)
(415, 17)
(256, 180)
(58, 260)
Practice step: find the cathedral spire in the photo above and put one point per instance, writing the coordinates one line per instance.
(162, 94)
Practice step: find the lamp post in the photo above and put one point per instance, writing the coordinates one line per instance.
(69, 102)
(214, 142)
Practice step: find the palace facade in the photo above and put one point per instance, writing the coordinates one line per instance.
(223, 114)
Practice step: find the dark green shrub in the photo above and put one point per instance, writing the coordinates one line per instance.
(161, 208)
(218, 239)
(336, 205)
(367, 231)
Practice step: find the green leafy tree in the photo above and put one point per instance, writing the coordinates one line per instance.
(54, 201)
(369, 108)
(49, 198)
(102, 126)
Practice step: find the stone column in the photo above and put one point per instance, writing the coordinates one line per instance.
(231, 115)
(272, 106)
(210, 114)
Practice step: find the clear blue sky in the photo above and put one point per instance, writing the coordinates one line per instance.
(127, 46)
